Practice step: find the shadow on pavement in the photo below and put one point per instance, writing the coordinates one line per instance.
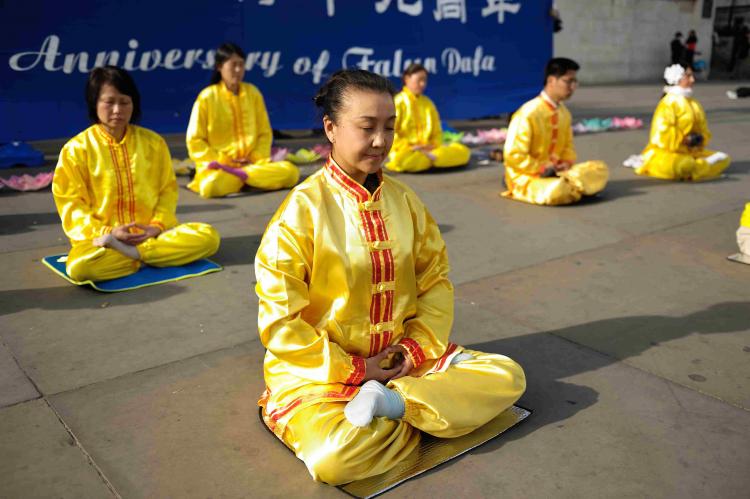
(25, 222)
(238, 250)
(71, 297)
(546, 364)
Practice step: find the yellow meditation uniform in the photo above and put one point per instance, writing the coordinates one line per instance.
(225, 128)
(341, 275)
(101, 183)
(667, 156)
(539, 136)
(743, 233)
(418, 124)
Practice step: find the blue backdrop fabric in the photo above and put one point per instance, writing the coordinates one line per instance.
(486, 56)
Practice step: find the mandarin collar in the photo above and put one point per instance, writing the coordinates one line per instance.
(349, 185)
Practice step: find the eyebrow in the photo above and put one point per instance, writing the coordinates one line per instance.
(391, 117)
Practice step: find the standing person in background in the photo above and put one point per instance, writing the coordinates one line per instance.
(677, 49)
(739, 42)
(229, 135)
(690, 49)
(740, 52)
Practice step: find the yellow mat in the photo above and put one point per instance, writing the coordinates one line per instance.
(739, 258)
(433, 452)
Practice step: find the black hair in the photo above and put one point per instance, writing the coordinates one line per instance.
(558, 66)
(678, 34)
(118, 78)
(413, 68)
(223, 54)
(331, 95)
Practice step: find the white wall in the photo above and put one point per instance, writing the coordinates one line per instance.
(627, 40)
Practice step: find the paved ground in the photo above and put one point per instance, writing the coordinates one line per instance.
(633, 329)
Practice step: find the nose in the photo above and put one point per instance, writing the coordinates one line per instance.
(378, 140)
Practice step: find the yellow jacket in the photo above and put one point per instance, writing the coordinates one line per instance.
(539, 135)
(342, 274)
(745, 220)
(417, 121)
(675, 117)
(225, 127)
(100, 183)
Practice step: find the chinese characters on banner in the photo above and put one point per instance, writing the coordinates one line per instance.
(444, 9)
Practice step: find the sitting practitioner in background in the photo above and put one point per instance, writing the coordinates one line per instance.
(679, 135)
(418, 144)
(116, 191)
(355, 308)
(229, 136)
(539, 154)
(743, 233)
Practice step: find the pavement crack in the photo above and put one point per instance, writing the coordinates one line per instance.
(83, 451)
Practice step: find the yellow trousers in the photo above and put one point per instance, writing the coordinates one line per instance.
(265, 175)
(670, 165)
(180, 245)
(582, 179)
(446, 156)
(446, 404)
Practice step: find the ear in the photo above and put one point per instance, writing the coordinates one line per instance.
(329, 127)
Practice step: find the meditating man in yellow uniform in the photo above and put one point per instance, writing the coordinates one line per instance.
(676, 148)
(229, 136)
(116, 191)
(355, 307)
(540, 159)
(418, 144)
(743, 233)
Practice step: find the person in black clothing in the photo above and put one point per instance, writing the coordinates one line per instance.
(740, 43)
(739, 93)
(677, 48)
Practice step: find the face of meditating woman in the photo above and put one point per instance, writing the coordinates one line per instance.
(362, 133)
(416, 82)
(688, 79)
(114, 110)
(232, 72)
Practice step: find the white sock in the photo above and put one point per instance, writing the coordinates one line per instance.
(634, 161)
(110, 241)
(716, 157)
(374, 400)
(461, 357)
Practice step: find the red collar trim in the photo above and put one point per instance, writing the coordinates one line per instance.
(350, 185)
(106, 136)
(550, 103)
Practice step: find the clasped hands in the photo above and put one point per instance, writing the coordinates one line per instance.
(553, 169)
(400, 367)
(127, 235)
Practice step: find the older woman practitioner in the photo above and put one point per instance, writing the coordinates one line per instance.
(116, 191)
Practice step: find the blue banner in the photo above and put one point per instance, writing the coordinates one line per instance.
(485, 56)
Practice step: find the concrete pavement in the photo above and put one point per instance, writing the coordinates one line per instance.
(633, 328)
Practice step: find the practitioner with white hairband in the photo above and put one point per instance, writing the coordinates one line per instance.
(679, 135)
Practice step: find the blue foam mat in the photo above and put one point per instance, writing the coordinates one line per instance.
(146, 276)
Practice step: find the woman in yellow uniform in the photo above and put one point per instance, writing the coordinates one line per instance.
(229, 136)
(116, 191)
(679, 135)
(355, 307)
(539, 155)
(418, 144)
(743, 233)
